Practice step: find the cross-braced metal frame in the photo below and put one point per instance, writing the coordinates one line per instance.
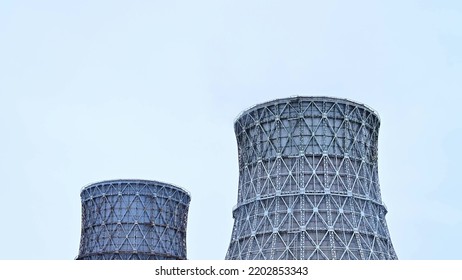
(308, 182)
(133, 219)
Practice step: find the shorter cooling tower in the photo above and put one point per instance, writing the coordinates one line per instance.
(133, 219)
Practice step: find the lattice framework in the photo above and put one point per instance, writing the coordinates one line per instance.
(308, 182)
(133, 219)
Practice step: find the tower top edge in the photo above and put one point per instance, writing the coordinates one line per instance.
(306, 98)
(142, 181)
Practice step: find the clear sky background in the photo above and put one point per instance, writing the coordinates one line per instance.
(96, 90)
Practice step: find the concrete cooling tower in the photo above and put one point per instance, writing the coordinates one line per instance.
(133, 219)
(308, 182)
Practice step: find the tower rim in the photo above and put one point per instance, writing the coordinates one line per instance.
(134, 181)
(308, 98)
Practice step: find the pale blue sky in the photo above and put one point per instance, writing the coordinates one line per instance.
(96, 90)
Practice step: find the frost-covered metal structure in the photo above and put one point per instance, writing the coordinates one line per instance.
(133, 219)
(308, 182)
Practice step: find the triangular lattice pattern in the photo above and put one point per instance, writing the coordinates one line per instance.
(133, 219)
(308, 182)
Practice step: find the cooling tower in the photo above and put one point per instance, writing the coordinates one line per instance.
(308, 182)
(133, 219)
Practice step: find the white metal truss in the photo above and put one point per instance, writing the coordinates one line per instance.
(308, 182)
(133, 219)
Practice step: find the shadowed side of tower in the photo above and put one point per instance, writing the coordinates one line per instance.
(133, 219)
(308, 182)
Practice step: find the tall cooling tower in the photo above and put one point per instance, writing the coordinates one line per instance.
(308, 182)
(133, 219)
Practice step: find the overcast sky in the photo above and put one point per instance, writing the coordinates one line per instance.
(97, 90)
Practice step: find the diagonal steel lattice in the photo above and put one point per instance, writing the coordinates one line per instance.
(308, 182)
(133, 219)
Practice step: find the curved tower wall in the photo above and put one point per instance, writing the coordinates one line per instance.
(133, 219)
(308, 182)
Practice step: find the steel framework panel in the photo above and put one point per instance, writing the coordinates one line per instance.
(133, 219)
(308, 182)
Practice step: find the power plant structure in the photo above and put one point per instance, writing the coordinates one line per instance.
(308, 182)
(133, 219)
